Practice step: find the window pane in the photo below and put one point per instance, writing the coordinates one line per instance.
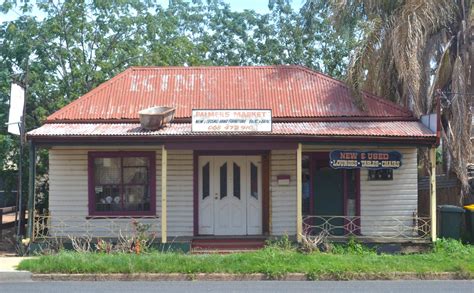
(135, 175)
(136, 198)
(205, 181)
(107, 171)
(253, 180)
(306, 184)
(236, 181)
(223, 180)
(107, 198)
(135, 162)
(351, 192)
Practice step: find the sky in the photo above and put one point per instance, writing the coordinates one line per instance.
(260, 6)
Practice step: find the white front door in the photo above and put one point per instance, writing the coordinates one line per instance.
(230, 195)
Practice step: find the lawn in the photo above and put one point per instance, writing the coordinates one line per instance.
(272, 261)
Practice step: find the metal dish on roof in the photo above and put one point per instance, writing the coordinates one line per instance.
(156, 117)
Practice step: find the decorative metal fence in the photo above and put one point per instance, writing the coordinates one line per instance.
(336, 227)
(369, 227)
(47, 227)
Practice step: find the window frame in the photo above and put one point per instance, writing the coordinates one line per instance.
(151, 155)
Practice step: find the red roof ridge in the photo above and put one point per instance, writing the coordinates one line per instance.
(217, 67)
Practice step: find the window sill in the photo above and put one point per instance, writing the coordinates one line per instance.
(100, 217)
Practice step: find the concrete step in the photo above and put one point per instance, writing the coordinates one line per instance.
(213, 245)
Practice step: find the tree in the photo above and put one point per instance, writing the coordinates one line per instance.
(407, 51)
(77, 44)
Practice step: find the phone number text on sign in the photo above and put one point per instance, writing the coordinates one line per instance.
(232, 121)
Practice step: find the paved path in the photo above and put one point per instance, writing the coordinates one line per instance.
(229, 287)
(8, 271)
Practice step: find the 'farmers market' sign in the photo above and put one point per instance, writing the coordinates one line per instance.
(365, 159)
(232, 121)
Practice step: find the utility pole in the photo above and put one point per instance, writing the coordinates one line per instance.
(21, 222)
(17, 116)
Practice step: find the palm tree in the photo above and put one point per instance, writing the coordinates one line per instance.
(407, 51)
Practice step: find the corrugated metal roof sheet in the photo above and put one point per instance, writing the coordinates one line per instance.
(379, 129)
(290, 91)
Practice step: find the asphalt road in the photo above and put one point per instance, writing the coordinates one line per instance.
(228, 287)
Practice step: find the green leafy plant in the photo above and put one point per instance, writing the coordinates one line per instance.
(282, 243)
(450, 246)
(352, 247)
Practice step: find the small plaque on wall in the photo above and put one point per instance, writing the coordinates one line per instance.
(283, 179)
(380, 175)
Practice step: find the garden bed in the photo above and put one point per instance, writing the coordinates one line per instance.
(273, 261)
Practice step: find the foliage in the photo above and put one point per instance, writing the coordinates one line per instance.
(139, 241)
(282, 243)
(408, 50)
(352, 247)
(22, 245)
(68, 47)
(451, 246)
(270, 261)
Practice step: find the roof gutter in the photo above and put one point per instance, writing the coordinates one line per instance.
(187, 142)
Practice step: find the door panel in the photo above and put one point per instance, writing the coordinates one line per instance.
(206, 196)
(230, 218)
(254, 198)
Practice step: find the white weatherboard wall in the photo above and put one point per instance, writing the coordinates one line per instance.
(385, 203)
(283, 197)
(68, 199)
(180, 193)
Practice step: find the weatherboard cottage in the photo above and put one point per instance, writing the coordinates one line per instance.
(250, 153)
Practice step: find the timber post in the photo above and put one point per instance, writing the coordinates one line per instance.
(433, 193)
(164, 167)
(299, 193)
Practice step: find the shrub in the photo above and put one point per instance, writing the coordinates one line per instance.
(282, 243)
(352, 247)
(450, 246)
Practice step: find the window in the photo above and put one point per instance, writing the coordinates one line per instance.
(253, 180)
(223, 182)
(236, 181)
(205, 181)
(122, 183)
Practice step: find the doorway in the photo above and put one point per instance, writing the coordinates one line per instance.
(230, 195)
(331, 197)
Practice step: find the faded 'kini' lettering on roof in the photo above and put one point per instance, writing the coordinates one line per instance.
(289, 91)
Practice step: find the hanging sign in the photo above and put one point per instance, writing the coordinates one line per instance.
(232, 121)
(365, 159)
(17, 103)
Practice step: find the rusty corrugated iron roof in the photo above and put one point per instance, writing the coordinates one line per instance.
(290, 91)
(405, 129)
